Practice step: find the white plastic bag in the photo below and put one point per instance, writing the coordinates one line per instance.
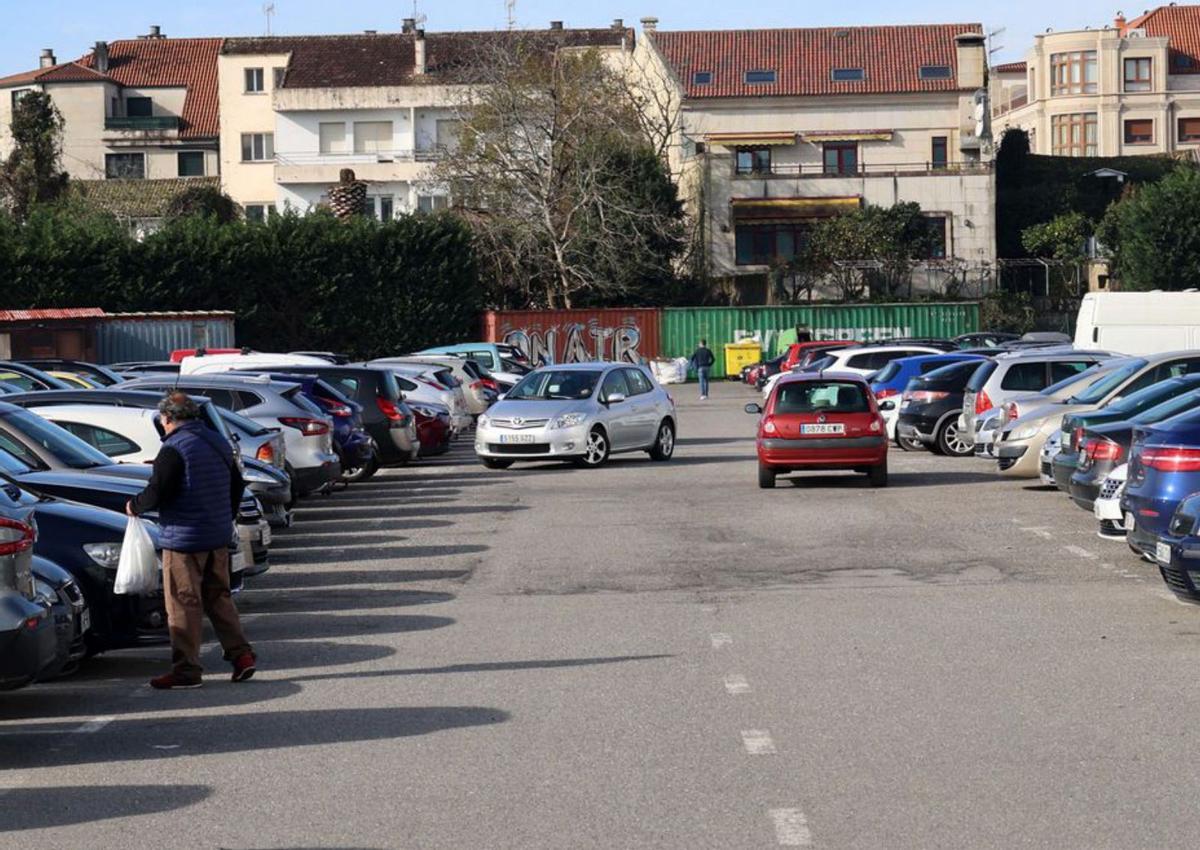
(137, 571)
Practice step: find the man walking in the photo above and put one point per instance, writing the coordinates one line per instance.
(196, 488)
(702, 361)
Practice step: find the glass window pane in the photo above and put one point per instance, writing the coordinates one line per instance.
(332, 137)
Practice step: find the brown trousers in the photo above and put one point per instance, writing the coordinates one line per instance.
(196, 583)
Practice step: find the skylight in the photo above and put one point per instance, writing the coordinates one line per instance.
(848, 75)
(702, 78)
(760, 76)
(935, 72)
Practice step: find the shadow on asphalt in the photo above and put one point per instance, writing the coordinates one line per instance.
(344, 554)
(67, 700)
(336, 578)
(481, 667)
(301, 626)
(402, 511)
(335, 599)
(318, 526)
(896, 480)
(296, 540)
(64, 805)
(712, 441)
(160, 738)
(276, 655)
(386, 498)
(457, 479)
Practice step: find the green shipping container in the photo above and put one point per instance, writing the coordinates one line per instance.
(775, 327)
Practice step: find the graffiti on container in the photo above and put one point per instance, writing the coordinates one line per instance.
(767, 338)
(575, 342)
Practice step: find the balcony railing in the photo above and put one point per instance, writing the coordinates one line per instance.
(1009, 105)
(796, 169)
(362, 158)
(143, 122)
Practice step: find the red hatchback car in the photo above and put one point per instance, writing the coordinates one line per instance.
(821, 421)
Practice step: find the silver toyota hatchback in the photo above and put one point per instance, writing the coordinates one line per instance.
(580, 412)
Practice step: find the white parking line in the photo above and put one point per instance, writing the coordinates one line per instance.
(1042, 531)
(791, 828)
(737, 684)
(1080, 552)
(93, 725)
(720, 639)
(758, 742)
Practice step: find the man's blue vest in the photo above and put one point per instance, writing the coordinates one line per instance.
(199, 518)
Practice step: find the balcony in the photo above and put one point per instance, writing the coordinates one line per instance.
(863, 170)
(376, 166)
(143, 123)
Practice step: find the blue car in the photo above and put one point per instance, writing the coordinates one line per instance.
(889, 382)
(1164, 469)
(1178, 550)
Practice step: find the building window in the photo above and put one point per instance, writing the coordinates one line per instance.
(432, 203)
(939, 153)
(191, 163)
(387, 208)
(372, 136)
(277, 77)
(936, 225)
(125, 166)
(1139, 131)
(1182, 61)
(138, 107)
(1073, 73)
(1073, 135)
(754, 77)
(254, 80)
(258, 147)
(935, 72)
(18, 95)
(258, 213)
(1137, 74)
(848, 75)
(753, 160)
(702, 78)
(761, 244)
(332, 137)
(841, 157)
(1189, 129)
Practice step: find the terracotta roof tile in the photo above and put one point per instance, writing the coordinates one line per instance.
(1181, 24)
(1010, 68)
(45, 313)
(803, 59)
(68, 72)
(138, 198)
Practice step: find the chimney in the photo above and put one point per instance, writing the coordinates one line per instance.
(618, 24)
(1119, 22)
(971, 49)
(100, 57)
(47, 60)
(649, 25)
(556, 25)
(419, 52)
(408, 25)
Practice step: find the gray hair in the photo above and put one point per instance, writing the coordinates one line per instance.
(178, 407)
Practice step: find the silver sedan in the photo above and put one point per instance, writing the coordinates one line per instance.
(579, 412)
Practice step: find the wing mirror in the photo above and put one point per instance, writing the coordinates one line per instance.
(887, 405)
(501, 396)
(756, 409)
(615, 398)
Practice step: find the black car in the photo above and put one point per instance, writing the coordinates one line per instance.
(56, 588)
(28, 637)
(769, 368)
(931, 406)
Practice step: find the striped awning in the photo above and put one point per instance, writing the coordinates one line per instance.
(769, 210)
(751, 140)
(848, 135)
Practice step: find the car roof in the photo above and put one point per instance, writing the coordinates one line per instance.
(217, 379)
(583, 367)
(808, 377)
(127, 412)
(106, 397)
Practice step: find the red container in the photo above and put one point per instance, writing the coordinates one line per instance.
(575, 336)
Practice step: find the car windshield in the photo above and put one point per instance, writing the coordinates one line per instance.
(818, 365)
(513, 366)
(12, 465)
(886, 374)
(821, 397)
(1147, 397)
(246, 426)
(1097, 390)
(571, 384)
(1180, 404)
(60, 442)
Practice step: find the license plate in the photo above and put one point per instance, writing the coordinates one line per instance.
(1129, 521)
(266, 533)
(1162, 553)
(517, 438)
(237, 563)
(85, 620)
(830, 428)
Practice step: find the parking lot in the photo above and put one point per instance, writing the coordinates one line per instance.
(650, 655)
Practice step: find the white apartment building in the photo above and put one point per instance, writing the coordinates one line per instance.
(1121, 90)
(779, 128)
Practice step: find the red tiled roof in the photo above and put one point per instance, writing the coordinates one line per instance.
(68, 72)
(1181, 24)
(172, 62)
(50, 313)
(803, 59)
(1010, 68)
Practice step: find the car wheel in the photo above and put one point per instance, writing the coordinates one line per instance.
(879, 475)
(766, 477)
(596, 450)
(496, 463)
(952, 441)
(664, 443)
(362, 473)
(909, 444)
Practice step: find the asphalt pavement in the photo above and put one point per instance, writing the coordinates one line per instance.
(649, 655)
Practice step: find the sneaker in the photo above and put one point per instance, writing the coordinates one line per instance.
(243, 666)
(174, 682)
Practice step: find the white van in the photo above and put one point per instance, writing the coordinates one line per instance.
(214, 363)
(1139, 322)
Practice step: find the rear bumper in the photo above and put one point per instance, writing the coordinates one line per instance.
(1064, 466)
(311, 478)
(916, 427)
(829, 453)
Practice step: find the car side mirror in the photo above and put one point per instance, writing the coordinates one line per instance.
(887, 405)
(754, 408)
(615, 398)
(501, 396)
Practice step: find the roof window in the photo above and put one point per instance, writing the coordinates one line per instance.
(848, 75)
(702, 78)
(935, 72)
(760, 76)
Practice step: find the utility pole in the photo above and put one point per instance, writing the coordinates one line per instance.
(268, 12)
(510, 8)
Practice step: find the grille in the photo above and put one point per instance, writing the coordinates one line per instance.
(1175, 579)
(1006, 462)
(1182, 524)
(1047, 469)
(1111, 488)
(1111, 528)
(524, 424)
(519, 448)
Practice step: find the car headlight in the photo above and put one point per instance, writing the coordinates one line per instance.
(1026, 433)
(482, 421)
(569, 420)
(107, 555)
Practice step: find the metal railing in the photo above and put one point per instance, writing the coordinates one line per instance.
(142, 122)
(357, 158)
(796, 169)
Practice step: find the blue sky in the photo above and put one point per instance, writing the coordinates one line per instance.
(74, 25)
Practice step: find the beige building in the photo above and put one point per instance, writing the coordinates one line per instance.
(776, 129)
(1126, 89)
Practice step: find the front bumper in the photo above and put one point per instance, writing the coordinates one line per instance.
(1178, 560)
(1019, 459)
(536, 443)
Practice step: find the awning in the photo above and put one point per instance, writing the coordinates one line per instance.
(751, 140)
(771, 210)
(848, 135)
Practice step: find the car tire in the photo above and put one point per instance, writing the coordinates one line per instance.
(909, 444)
(597, 450)
(362, 473)
(664, 442)
(495, 463)
(949, 441)
(878, 475)
(766, 477)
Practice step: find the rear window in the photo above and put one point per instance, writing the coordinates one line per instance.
(954, 376)
(980, 376)
(1027, 377)
(327, 390)
(297, 397)
(1062, 370)
(886, 374)
(246, 426)
(391, 390)
(1174, 407)
(821, 397)
(933, 365)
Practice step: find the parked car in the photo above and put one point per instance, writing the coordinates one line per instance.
(1107, 506)
(820, 421)
(434, 427)
(58, 590)
(506, 362)
(580, 412)
(800, 354)
(102, 374)
(28, 640)
(890, 382)
(432, 383)
(1164, 469)
(145, 367)
(256, 441)
(862, 360)
(82, 382)
(29, 378)
(479, 388)
(930, 406)
(984, 339)
(1050, 451)
(1177, 550)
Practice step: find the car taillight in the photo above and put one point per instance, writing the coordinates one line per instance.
(16, 537)
(876, 426)
(1171, 459)
(982, 402)
(925, 396)
(388, 408)
(489, 384)
(335, 408)
(265, 453)
(1103, 450)
(885, 393)
(307, 427)
(768, 426)
(1077, 438)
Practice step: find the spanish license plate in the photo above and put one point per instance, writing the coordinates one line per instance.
(828, 428)
(1162, 553)
(517, 438)
(85, 620)
(1130, 523)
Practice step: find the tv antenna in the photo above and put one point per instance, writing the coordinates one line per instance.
(510, 9)
(268, 12)
(419, 18)
(991, 36)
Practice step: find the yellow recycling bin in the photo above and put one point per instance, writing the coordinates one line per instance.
(739, 355)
